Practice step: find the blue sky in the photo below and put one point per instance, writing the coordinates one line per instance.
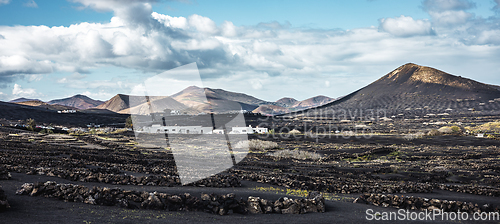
(269, 49)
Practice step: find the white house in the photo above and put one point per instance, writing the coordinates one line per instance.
(248, 130)
(178, 129)
(260, 130)
(242, 130)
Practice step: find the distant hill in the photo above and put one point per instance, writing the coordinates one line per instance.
(415, 89)
(77, 101)
(22, 99)
(271, 110)
(286, 102)
(287, 105)
(194, 100)
(38, 103)
(312, 102)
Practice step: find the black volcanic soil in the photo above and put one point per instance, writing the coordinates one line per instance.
(12, 112)
(461, 168)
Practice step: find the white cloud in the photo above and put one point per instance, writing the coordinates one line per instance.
(202, 24)
(228, 29)
(447, 5)
(169, 21)
(20, 92)
(489, 37)
(137, 38)
(449, 17)
(405, 26)
(4, 2)
(31, 4)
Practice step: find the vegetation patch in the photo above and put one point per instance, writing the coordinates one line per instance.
(296, 154)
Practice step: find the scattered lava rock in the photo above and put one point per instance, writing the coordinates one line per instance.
(211, 203)
(418, 203)
(4, 174)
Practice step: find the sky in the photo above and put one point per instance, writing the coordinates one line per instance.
(51, 49)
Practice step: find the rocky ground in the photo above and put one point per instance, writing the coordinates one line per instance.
(110, 178)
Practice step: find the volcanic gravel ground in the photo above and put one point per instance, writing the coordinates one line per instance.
(430, 167)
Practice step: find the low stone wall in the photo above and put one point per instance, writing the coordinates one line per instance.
(90, 175)
(212, 203)
(418, 203)
(477, 190)
(336, 185)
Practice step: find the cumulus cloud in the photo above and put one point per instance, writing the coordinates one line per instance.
(31, 4)
(138, 38)
(27, 92)
(405, 26)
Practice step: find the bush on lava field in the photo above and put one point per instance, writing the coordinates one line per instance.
(296, 154)
(411, 136)
(256, 144)
(493, 127)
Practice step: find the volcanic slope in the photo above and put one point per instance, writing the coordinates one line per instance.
(121, 103)
(216, 100)
(418, 90)
(77, 101)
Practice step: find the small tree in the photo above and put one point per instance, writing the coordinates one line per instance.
(129, 123)
(31, 124)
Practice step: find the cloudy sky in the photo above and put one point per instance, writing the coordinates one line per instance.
(269, 49)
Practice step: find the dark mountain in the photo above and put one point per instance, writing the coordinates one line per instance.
(77, 101)
(41, 114)
(22, 99)
(419, 90)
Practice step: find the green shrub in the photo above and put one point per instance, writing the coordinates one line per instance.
(433, 132)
